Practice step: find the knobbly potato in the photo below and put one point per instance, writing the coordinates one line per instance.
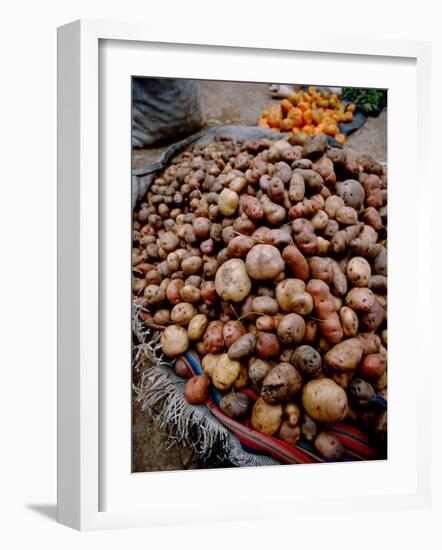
(266, 418)
(225, 372)
(264, 261)
(308, 361)
(154, 294)
(208, 363)
(321, 268)
(258, 370)
(239, 246)
(243, 378)
(329, 446)
(351, 192)
(265, 305)
(197, 389)
(361, 393)
(267, 346)
(345, 356)
(182, 313)
(285, 292)
(372, 366)
(346, 215)
(281, 383)
(372, 320)
(191, 265)
(243, 347)
(173, 291)
(174, 341)
(233, 330)
(288, 433)
(291, 329)
(360, 299)
(309, 428)
(213, 337)
(293, 413)
(370, 342)
(228, 202)
(235, 405)
(324, 400)
(232, 281)
(359, 271)
(191, 294)
(296, 262)
(349, 321)
(197, 326)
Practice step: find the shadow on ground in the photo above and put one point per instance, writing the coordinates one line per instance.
(48, 511)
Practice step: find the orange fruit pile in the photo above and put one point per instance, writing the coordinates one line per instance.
(309, 112)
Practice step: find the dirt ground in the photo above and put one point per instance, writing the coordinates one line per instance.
(227, 103)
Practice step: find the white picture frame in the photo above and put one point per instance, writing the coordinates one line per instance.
(80, 259)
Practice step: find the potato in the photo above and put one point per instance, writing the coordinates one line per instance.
(281, 383)
(309, 428)
(232, 282)
(332, 205)
(197, 326)
(368, 234)
(291, 329)
(346, 215)
(243, 378)
(304, 235)
(361, 394)
(173, 291)
(359, 271)
(233, 330)
(311, 331)
(296, 262)
(228, 202)
(372, 366)
(328, 445)
(344, 356)
(324, 400)
(154, 295)
(373, 319)
(239, 246)
(288, 433)
(264, 261)
(265, 305)
(208, 292)
(264, 323)
(320, 220)
(351, 192)
(321, 268)
(225, 372)
(370, 342)
(182, 313)
(360, 299)
(201, 227)
(339, 284)
(174, 341)
(258, 370)
(274, 213)
(243, 347)
(168, 241)
(293, 413)
(267, 346)
(349, 321)
(197, 389)
(235, 405)
(182, 369)
(191, 265)
(308, 361)
(191, 294)
(213, 337)
(325, 308)
(266, 418)
(208, 363)
(286, 291)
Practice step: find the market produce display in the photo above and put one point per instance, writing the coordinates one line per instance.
(269, 260)
(309, 112)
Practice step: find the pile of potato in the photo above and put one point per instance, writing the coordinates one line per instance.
(269, 260)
